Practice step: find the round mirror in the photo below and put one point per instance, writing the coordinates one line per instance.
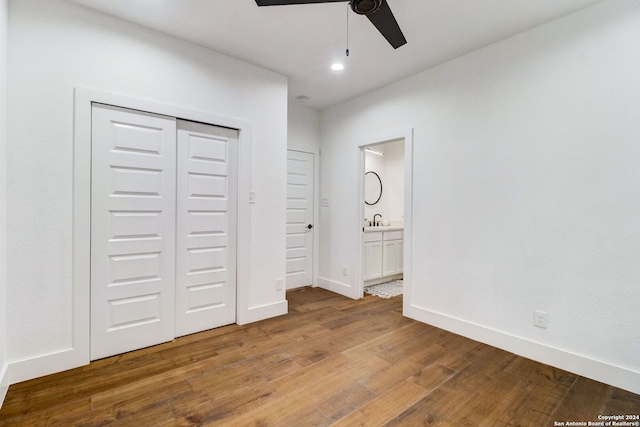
(372, 188)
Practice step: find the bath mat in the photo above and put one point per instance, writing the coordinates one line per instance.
(385, 290)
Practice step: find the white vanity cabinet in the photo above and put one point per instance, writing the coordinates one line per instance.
(382, 254)
(372, 255)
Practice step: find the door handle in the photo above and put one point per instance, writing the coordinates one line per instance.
(309, 226)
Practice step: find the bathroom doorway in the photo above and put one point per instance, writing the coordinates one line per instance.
(385, 215)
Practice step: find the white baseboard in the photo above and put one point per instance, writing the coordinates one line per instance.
(4, 384)
(3, 393)
(267, 311)
(40, 366)
(581, 365)
(337, 287)
(47, 364)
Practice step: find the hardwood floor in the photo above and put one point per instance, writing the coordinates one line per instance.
(330, 361)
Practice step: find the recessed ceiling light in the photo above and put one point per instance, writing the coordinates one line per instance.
(337, 67)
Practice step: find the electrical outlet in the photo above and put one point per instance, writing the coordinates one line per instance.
(324, 203)
(279, 284)
(540, 319)
(345, 270)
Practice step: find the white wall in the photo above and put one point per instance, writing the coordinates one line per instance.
(394, 181)
(3, 198)
(303, 128)
(375, 163)
(525, 191)
(55, 46)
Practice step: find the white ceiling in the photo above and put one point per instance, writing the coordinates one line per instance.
(302, 41)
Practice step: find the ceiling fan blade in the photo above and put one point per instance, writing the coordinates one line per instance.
(286, 2)
(386, 23)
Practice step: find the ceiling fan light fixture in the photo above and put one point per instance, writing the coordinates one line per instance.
(366, 7)
(377, 11)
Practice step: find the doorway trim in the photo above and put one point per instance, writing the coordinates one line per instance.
(79, 352)
(407, 136)
(82, 202)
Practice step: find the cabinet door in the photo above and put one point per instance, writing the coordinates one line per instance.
(372, 260)
(392, 257)
(389, 255)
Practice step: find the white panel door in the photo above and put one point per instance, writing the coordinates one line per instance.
(299, 219)
(132, 230)
(206, 227)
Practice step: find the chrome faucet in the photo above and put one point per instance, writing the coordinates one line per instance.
(375, 224)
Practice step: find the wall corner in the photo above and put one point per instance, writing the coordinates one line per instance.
(4, 7)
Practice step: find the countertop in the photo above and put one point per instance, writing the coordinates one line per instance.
(382, 228)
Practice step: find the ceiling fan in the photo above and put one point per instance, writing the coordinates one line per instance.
(377, 11)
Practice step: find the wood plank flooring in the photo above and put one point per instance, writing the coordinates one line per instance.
(330, 361)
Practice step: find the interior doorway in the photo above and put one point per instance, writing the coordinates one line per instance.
(384, 204)
(383, 228)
